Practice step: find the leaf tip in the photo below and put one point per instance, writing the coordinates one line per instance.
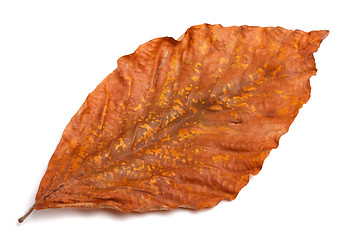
(324, 33)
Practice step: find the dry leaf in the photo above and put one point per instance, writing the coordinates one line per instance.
(182, 123)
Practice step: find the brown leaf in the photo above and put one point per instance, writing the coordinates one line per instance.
(182, 123)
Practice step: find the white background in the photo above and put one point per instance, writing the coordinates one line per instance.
(53, 53)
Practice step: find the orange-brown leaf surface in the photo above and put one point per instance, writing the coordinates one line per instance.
(182, 123)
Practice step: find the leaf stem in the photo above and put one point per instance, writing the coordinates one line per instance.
(20, 220)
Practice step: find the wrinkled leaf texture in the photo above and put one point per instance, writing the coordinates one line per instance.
(182, 123)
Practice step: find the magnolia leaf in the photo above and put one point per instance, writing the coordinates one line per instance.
(182, 123)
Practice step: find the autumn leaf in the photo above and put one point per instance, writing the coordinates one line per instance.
(182, 123)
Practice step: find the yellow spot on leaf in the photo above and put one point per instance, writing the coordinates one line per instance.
(195, 78)
(216, 107)
(188, 88)
(249, 88)
(178, 101)
(181, 92)
(122, 105)
(149, 130)
(220, 158)
(203, 48)
(178, 109)
(195, 68)
(121, 144)
(223, 60)
(251, 76)
(260, 71)
(278, 69)
(138, 107)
